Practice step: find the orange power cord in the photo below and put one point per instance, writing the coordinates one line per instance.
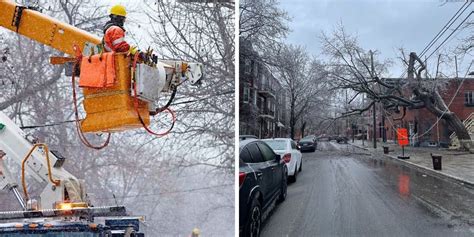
(76, 112)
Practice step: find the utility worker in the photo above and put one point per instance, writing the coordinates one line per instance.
(114, 33)
(196, 233)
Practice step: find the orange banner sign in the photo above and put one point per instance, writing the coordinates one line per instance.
(402, 136)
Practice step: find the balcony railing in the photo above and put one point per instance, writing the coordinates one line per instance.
(265, 112)
(266, 90)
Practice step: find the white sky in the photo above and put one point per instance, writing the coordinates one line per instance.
(383, 25)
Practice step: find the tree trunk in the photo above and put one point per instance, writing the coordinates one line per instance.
(292, 122)
(458, 127)
(460, 130)
(303, 126)
(453, 121)
(451, 118)
(436, 105)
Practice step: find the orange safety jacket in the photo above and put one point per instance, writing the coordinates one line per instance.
(114, 40)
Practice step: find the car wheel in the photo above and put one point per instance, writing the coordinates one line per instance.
(284, 188)
(292, 178)
(301, 165)
(254, 221)
(296, 172)
(314, 149)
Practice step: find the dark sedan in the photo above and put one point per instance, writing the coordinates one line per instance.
(262, 182)
(308, 144)
(342, 139)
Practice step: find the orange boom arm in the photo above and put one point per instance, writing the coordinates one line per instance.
(44, 29)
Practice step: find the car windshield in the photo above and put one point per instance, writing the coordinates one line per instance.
(306, 140)
(276, 144)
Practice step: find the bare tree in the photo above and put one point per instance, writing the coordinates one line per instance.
(204, 34)
(302, 77)
(466, 44)
(352, 68)
(263, 24)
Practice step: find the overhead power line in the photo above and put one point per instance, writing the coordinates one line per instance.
(49, 124)
(444, 112)
(167, 192)
(445, 28)
(176, 103)
(444, 41)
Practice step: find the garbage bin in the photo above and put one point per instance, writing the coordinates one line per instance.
(436, 161)
(385, 149)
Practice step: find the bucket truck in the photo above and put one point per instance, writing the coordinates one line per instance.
(127, 102)
(63, 205)
(63, 208)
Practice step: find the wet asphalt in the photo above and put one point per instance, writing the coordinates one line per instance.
(344, 191)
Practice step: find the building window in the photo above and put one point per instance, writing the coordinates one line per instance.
(469, 98)
(246, 94)
(248, 65)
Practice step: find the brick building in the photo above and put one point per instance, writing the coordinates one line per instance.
(262, 99)
(422, 123)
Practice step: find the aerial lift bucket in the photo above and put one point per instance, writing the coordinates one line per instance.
(111, 109)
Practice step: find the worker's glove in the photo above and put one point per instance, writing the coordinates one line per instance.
(142, 56)
(133, 50)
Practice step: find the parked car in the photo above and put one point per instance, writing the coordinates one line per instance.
(262, 182)
(323, 137)
(333, 137)
(342, 139)
(245, 137)
(308, 144)
(288, 150)
(310, 137)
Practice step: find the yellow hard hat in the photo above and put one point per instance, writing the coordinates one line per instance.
(196, 231)
(118, 10)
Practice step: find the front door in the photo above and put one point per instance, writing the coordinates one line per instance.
(263, 171)
(269, 157)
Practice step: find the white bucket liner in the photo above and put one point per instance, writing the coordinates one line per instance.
(150, 81)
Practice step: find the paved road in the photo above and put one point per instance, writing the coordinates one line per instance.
(346, 192)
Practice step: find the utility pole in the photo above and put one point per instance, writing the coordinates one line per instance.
(384, 132)
(456, 62)
(374, 134)
(375, 127)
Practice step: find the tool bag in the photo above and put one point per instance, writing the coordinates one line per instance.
(98, 71)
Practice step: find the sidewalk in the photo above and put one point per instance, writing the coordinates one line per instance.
(456, 165)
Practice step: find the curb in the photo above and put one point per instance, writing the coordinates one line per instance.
(427, 170)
